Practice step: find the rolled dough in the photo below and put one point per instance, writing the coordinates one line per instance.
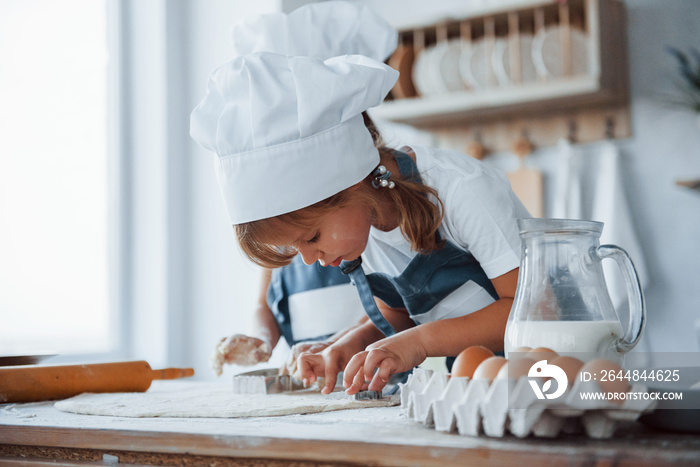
(213, 401)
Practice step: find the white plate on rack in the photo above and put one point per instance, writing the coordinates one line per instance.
(422, 79)
(445, 64)
(476, 66)
(547, 54)
(434, 72)
(418, 80)
(501, 60)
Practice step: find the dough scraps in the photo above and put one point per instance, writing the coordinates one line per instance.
(214, 401)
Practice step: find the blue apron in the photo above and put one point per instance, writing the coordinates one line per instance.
(295, 278)
(424, 282)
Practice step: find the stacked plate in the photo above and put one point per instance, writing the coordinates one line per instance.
(502, 61)
(437, 69)
(456, 65)
(548, 55)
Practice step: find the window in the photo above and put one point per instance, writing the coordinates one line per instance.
(54, 268)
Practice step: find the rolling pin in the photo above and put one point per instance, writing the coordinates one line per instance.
(38, 383)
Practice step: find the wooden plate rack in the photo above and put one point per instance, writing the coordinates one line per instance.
(585, 106)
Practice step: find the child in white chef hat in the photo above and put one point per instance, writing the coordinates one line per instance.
(430, 234)
(309, 305)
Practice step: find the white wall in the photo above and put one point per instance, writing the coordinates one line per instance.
(665, 147)
(223, 285)
(184, 284)
(215, 288)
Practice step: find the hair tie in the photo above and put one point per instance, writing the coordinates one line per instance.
(381, 178)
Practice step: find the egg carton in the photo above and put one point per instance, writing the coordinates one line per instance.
(472, 407)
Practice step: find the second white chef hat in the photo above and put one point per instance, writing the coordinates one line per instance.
(321, 30)
(288, 131)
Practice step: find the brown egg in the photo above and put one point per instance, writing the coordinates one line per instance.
(488, 369)
(515, 369)
(570, 365)
(469, 359)
(542, 353)
(606, 373)
(519, 352)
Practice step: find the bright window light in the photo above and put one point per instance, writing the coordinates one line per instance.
(53, 177)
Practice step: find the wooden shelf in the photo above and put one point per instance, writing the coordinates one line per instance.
(601, 89)
(469, 10)
(503, 101)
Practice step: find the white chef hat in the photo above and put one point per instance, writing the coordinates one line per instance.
(321, 30)
(288, 131)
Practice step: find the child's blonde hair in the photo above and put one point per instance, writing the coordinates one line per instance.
(419, 217)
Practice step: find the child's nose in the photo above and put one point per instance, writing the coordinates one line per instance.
(308, 255)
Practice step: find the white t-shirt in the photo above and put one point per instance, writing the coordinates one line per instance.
(480, 212)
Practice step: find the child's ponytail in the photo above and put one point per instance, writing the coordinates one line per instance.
(419, 207)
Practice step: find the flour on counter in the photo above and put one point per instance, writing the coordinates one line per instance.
(214, 401)
(9, 409)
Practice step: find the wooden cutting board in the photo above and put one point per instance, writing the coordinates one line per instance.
(402, 61)
(528, 185)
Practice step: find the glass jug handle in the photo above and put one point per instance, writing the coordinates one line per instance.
(635, 298)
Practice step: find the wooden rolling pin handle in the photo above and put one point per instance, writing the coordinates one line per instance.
(38, 383)
(172, 373)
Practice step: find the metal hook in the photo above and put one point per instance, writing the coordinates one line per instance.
(610, 127)
(476, 148)
(523, 146)
(572, 129)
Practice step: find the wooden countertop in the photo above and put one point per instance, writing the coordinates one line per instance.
(374, 436)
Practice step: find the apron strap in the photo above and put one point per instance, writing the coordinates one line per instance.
(407, 168)
(357, 275)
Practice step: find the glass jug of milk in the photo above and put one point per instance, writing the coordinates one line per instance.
(562, 300)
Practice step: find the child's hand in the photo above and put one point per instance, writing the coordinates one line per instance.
(239, 349)
(327, 364)
(290, 366)
(388, 356)
(309, 347)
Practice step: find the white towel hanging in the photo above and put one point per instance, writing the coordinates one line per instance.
(610, 206)
(589, 186)
(567, 202)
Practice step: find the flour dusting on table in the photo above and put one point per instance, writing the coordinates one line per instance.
(213, 402)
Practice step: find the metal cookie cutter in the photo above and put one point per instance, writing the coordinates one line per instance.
(368, 395)
(267, 381)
